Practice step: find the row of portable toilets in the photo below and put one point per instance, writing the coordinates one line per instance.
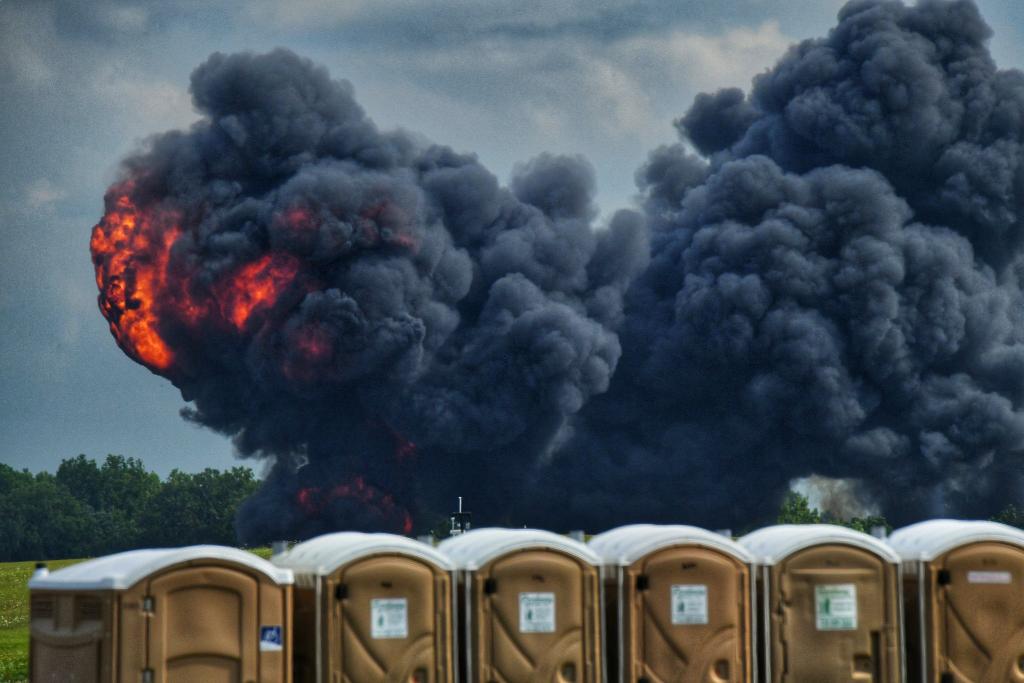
(940, 601)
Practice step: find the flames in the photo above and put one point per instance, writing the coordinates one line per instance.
(256, 286)
(161, 308)
(314, 500)
(131, 255)
(141, 295)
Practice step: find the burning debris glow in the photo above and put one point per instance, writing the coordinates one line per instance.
(256, 286)
(314, 500)
(131, 250)
(131, 257)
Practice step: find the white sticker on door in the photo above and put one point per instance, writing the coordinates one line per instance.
(390, 618)
(689, 604)
(989, 577)
(536, 612)
(836, 607)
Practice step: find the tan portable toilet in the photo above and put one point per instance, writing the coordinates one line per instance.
(830, 605)
(677, 605)
(964, 596)
(178, 615)
(371, 608)
(530, 605)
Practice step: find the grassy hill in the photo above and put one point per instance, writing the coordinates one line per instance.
(14, 615)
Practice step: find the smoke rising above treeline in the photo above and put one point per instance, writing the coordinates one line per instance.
(823, 279)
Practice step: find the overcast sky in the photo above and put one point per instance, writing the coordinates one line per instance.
(83, 83)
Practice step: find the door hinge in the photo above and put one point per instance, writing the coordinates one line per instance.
(341, 591)
(490, 586)
(642, 582)
(149, 604)
(947, 678)
(147, 676)
(944, 578)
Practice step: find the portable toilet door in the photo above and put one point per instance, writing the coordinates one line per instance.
(202, 613)
(530, 604)
(964, 597)
(371, 608)
(830, 601)
(679, 604)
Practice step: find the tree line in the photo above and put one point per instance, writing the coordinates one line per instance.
(87, 509)
(796, 509)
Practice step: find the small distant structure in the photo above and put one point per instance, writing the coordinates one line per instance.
(461, 521)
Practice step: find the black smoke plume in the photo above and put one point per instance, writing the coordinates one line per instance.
(835, 289)
(380, 317)
(832, 288)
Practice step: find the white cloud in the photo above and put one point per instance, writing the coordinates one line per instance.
(700, 61)
(151, 104)
(125, 18)
(619, 96)
(26, 40)
(307, 13)
(41, 193)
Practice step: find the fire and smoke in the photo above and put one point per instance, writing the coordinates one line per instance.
(832, 288)
(381, 318)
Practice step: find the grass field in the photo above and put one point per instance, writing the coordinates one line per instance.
(14, 615)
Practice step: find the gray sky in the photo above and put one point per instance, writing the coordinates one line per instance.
(83, 83)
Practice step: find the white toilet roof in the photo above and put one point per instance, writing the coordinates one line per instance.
(775, 543)
(926, 541)
(626, 544)
(326, 554)
(476, 548)
(124, 570)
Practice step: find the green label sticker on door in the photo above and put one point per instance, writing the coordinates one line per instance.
(836, 607)
(689, 604)
(536, 612)
(390, 618)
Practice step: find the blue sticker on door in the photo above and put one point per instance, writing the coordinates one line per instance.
(271, 639)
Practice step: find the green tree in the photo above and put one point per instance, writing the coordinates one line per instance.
(197, 508)
(797, 510)
(1011, 515)
(867, 524)
(39, 520)
(88, 509)
(116, 494)
(121, 483)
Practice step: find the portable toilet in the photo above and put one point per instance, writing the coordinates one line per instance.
(830, 605)
(371, 607)
(677, 604)
(178, 615)
(530, 604)
(964, 596)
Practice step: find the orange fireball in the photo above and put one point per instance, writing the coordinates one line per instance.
(131, 257)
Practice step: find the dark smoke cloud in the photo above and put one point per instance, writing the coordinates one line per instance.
(839, 296)
(432, 325)
(832, 289)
